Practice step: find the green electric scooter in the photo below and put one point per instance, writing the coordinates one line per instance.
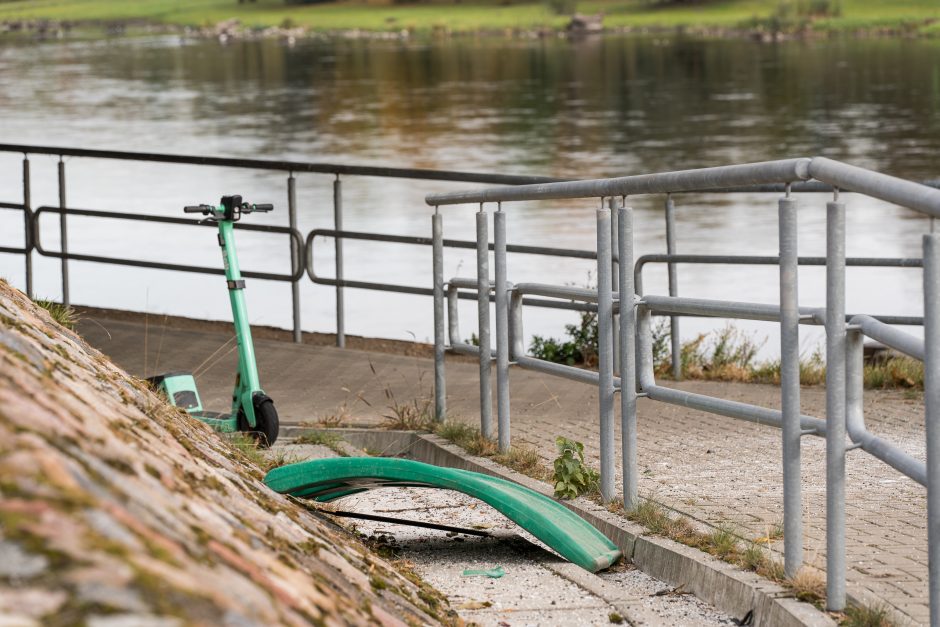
(252, 410)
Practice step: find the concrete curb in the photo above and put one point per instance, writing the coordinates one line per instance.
(731, 590)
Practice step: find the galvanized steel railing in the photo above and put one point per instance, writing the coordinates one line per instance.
(624, 309)
(297, 257)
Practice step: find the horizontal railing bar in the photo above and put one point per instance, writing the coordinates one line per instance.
(758, 260)
(11, 205)
(427, 291)
(889, 336)
(142, 217)
(452, 243)
(877, 185)
(284, 166)
(707, 308)
(558, 370)
(582, 294)
(732, 409)
(715, 308)
(264, 228)
(782, 171)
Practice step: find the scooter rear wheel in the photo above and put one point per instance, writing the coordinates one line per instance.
(266, 427)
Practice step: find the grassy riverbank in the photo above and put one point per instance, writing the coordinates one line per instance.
(921, 17)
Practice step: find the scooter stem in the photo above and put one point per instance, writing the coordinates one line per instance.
(247, 382)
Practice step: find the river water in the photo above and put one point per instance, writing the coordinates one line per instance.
(606, 106)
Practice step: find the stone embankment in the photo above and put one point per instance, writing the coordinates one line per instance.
(116, 508)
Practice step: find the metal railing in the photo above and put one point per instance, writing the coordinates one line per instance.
(629, 310)
(297, 256)
(625, 336)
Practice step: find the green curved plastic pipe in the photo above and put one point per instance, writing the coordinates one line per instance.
(551, 522)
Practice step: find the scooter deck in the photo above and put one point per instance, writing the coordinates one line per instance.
(551, 522)
(224, 423)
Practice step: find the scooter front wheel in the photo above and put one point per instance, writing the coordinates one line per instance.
(266, 427)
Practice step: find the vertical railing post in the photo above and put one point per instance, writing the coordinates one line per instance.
(483, 315)
(437, 246)
(27, 226)
(835, 405)
(932, 401)
(294, 256)
(338, 252)
(63, 234)
(790, 385)
(627, 357)
(502, 329)
(605, 358)
(614, 205)
(673, 287)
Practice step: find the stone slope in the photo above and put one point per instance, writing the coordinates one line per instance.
(116, 508)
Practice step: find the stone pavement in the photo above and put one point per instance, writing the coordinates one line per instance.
(713, 469)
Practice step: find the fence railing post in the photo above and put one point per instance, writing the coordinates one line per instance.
(790, 385)
(437, 246)
(28, 227)
(627, 357)
(338, 252)
(932, 401)
(294, 257)
(502, 329)
(835, 406)
(605, 358)
(675, 340)
(63, 235)
(614, 205)
(483, 317)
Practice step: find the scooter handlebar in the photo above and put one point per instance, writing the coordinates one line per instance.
(263, 207)
(196, 208)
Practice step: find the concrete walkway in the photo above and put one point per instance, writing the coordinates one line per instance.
(713, 469)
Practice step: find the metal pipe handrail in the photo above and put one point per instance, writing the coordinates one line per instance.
(782, 171)
(281, 165)
(634, 323)
(854, 407)
(295, 236)
(877, 185)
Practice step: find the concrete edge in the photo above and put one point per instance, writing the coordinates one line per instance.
(726, 587)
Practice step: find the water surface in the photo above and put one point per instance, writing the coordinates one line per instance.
(602, 107)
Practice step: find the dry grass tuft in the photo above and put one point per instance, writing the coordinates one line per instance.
(807, 585)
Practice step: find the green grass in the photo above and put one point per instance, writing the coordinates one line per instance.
(480, 15)
(63, 314)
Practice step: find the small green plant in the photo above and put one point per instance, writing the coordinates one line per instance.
(723, 541)
(615, 618)
(580, 349)
(322, 438)
(63, 314)
(753, 557)
(249, 448)
(571, 477)
(866, 616)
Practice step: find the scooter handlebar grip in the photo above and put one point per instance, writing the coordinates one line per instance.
(263, 207)
(194, 209)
